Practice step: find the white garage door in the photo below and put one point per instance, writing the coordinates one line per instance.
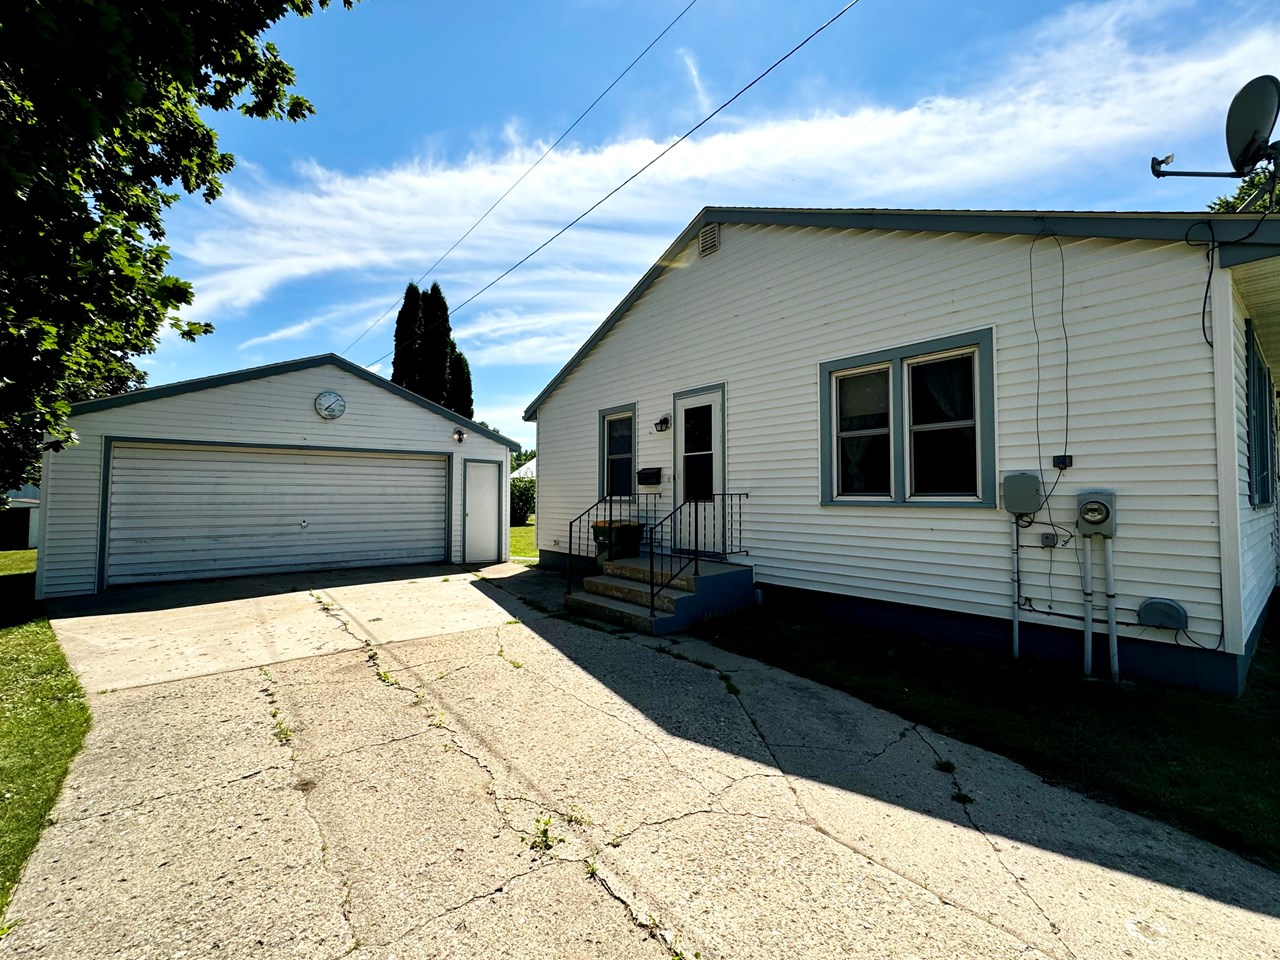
(185, 512)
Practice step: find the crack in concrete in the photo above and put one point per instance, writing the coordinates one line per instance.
(1018, 881)
(166, 796)
(487, 895)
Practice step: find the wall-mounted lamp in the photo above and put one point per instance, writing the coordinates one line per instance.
(663, 425)
(459, 435)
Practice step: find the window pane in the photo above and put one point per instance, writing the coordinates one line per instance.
(619, 435)
(698, 476)
(697, 429)
(620, 474)
(864, 401)
(864, 465)
(942, 391)
(944, 462)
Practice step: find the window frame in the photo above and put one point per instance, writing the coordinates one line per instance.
(898, 360)
(1259, 422)
(622, 411)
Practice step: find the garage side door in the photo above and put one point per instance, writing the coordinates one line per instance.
(185, 512)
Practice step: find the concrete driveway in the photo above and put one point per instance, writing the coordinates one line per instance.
(427, 765)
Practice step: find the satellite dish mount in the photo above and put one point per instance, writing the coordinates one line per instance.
(1250, 123)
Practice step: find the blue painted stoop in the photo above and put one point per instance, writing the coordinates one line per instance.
(620, 594)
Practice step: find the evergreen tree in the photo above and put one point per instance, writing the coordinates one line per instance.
(1255, 181)
(435, 345)
(408, 360)
(458, 398)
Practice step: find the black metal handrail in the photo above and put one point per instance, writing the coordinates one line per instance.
(695, 530)
(636, 508)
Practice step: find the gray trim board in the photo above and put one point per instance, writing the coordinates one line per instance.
(1242, 237)
(276, 369)
(601, 466)
(109, 443)
(501, 525)
(983, 340)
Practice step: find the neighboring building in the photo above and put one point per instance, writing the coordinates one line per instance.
(311, 464)
(528, 470)
(20, 523)
(870, 377)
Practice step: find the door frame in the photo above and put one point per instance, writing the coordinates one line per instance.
(501, 501)
(716, 390)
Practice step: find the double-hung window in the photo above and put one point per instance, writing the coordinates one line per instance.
(617, 451)
(1261, 424)
(910, 425)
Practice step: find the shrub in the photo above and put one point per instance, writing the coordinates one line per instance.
(524, 498)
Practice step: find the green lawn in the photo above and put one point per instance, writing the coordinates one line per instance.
(1207, 765)
(43, 722)
(523, 542)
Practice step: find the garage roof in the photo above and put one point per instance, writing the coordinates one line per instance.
(274, 369)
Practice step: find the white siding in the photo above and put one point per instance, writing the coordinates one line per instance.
(1257, 523)
(760, 315)
(274, 410)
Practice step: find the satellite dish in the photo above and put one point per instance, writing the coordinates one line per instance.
(1250, 121)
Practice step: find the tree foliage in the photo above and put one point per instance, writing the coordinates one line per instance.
(404, 364)
(427, 361)
(437, 346)
(524, 499)
(100, 125)
(458, 389)
(1256, 181)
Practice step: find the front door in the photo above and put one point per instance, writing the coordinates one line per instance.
(699, 471)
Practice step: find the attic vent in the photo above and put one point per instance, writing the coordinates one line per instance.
(708, 239)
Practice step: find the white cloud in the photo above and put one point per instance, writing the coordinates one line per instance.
(1086, 101)
(690, 64)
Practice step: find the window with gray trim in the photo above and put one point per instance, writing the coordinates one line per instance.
(1260, 421)
(912, 424)
(619, 455)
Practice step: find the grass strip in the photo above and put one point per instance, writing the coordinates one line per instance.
(43, 718)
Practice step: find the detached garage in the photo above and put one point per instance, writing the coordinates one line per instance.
(311, 464)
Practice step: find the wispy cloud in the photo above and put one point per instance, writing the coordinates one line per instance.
(1096, 95)
(704, 101)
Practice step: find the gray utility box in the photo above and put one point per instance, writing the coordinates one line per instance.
(1096, 513)
(1021, 493)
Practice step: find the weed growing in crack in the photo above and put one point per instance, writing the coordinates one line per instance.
(511, 621)
(372, 656)
(478, 576)
(730, 687)
(944, 766)
(515, 663)
(962, 798)
(445, 580)
(266, 675)
(542, 840)
(615, 841)
(577, 817)
(438, 720)
(282, 731)
(388, 679)
(592, 869)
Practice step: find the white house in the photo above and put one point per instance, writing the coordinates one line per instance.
(20, 521)
(310, 464)
(870, 378)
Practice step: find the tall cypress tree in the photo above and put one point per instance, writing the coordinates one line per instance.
(458, 398)
(406, 361)
(436, 340)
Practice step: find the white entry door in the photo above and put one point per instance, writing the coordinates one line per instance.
(483, 499)
(699, 471)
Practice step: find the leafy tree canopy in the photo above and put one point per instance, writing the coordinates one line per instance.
(100, 123)
(1251, 184)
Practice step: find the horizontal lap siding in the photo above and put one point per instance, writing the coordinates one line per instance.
(773, 302)
(273, 410)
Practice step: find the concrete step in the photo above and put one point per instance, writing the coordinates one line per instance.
(637, 569)
(630, 615)
(634, 591)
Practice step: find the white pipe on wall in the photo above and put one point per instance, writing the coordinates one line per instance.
(1088, 605)
(1109, 562)
(1016, 577)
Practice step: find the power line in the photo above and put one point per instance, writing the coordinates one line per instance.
(532, 167)
(662, 153)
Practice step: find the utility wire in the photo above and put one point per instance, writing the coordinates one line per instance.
(532, 167)
(662, 153)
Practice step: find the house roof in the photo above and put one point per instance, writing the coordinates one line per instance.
(1242, 238)
(274, 369)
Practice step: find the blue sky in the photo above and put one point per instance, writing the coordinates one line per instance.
(427, 112)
